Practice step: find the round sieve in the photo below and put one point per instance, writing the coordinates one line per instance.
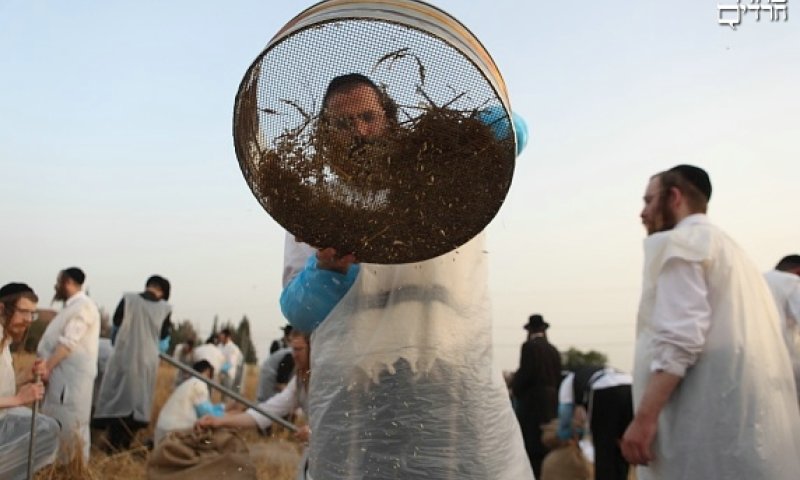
(379, 128)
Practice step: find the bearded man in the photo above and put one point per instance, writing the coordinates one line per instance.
(713, 389)
(69, 346)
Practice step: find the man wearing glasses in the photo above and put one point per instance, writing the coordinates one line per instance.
(17, 311)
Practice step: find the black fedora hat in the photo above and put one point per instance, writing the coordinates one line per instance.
(536, 322)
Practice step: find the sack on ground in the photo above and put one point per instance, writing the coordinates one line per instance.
(188, 454)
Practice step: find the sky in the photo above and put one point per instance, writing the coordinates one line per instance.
(116, 152)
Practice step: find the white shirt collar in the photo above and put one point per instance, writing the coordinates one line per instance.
(693, 219)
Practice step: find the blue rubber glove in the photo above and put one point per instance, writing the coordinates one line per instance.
(311, 295)
(565, 421)
(207, 408)
(225, 367)
(496, 117)
(163, 345)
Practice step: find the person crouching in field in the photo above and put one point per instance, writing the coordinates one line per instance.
(293, 396)
(17, 310)
(190, 401)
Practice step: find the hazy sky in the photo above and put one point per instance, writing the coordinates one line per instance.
(116, 151)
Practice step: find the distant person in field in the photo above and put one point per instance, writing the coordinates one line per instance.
(211, 353)
(143, 324)
(602, 396)
(104, 350)
(784, 282)
(17, 311)
(69, 347)
(282, 342)
(535, 386)
(184, 353)
(189, 402)
(233, 359)
(275, 373)
(714, 392)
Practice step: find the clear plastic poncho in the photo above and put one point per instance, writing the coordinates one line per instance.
(734, 414)
(403, 383)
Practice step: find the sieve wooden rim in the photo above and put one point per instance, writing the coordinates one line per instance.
(412, 13)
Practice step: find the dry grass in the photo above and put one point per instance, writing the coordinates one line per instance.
(275, 456)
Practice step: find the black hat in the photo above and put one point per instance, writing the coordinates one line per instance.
(537, 323)
(74, 273)
(13, 289)
(696, 176)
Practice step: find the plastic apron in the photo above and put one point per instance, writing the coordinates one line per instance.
(130, 378)
(734, 414)
(785, 289)
(403, 383)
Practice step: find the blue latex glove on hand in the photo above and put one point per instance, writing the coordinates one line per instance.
(225, 367)
(207, 408)
(163, 345)
(495, 117)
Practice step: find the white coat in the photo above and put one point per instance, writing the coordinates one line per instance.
(179, 413)
(68, 398)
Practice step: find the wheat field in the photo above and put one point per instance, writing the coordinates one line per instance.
(275, 456)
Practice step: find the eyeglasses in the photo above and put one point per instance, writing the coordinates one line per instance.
(348, 122)
(33, 314)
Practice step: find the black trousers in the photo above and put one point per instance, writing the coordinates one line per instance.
(612, 411)
(121, 430)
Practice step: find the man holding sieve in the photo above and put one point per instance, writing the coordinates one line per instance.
(403, 383)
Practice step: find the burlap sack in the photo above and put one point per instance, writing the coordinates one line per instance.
(189, 455)
(566, 463)
(565, 460)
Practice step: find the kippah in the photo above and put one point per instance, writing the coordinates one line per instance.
(696, 176)
(76, 274)
(13, 289)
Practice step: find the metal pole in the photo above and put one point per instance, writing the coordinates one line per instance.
(227, 392)
(32, 443)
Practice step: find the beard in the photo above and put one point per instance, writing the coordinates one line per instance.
(666, 219)
(60, 295)
(15, 331)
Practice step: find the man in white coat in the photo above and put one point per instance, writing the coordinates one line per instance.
(69, 347)
(784, 282)
(713, 396)
(233, 359)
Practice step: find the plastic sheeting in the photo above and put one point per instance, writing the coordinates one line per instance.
(403, 384)
(15, 437)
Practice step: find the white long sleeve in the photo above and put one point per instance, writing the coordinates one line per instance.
(681, 316)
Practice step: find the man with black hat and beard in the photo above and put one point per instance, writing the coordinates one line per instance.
(535, 386)
(714, 394)
(69, 348)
